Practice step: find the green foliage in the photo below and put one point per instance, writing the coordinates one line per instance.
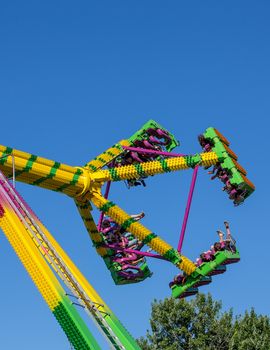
(252, 332)
(200, 325)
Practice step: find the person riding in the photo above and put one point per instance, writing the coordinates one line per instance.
(229, 242)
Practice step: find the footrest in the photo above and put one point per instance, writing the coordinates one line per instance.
(230, 261)
(219, 270)
(204, 281)
(189, 292)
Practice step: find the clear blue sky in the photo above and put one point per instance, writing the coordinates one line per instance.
(75, 77)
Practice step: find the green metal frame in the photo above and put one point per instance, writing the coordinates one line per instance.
(228, 161)
(204, 270)
(141, 134)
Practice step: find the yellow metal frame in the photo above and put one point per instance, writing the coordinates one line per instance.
(84, 185)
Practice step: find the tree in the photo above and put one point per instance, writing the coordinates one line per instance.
(251, 332)
(200, 325)
(182, 325)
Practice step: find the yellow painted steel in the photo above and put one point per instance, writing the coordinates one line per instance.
(87, 287)
(107, 156)
(30, 257)
(83, 183)
(209, 158)
(186, 265)
(84, 209)
(43, 172)
(28, 252)
(78, 181)
(141, 232)
(128, 172)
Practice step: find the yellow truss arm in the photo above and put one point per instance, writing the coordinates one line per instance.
(78, 181)
(142, 233)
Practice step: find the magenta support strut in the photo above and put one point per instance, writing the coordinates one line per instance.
(144, 150)
(190, 195)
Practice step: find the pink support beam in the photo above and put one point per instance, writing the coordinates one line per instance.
(190, 195)
(138, 252)
(144, 150)
(106, 195)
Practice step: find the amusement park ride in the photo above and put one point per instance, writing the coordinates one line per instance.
(118, 237)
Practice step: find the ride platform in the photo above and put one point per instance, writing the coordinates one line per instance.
(201, 276)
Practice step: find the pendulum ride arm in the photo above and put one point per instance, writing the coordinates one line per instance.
(77, 181)
(106, 157)
(83, 183)
(38, 250)
(110, 154)
(42, 172)
(162, 166)
(80, 183)
(142, 233)
(32, 242)
(84, 208)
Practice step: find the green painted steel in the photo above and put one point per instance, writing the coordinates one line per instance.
(118, 280)
(173, 256)
(140, 134)
(228, 161)
(204, 270)
(149, 238)
(73, 326)
(115, 267)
